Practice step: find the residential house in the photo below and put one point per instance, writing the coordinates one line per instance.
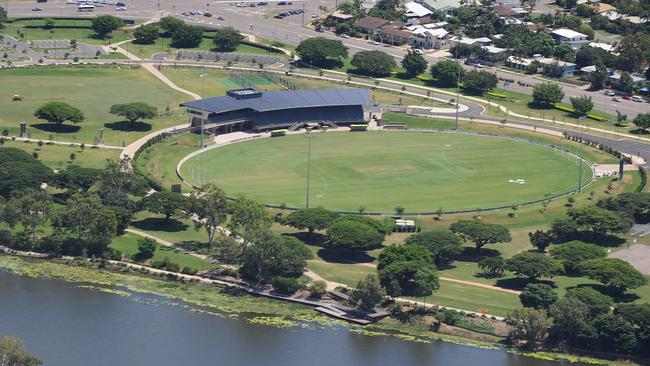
(416, 10)
(508, 12)
(444, 6)
(493, 56)
(392, 34)
(370, 24)
(429, 38)
(603, 8)
(340, 17)
(521, 63)
(575, 39)
(615, 80)
(482, 41)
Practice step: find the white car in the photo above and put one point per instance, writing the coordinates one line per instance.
(616, 99)
(121, 8)
(373, 42)
(610, 93)
(344, 36)
(417, 51)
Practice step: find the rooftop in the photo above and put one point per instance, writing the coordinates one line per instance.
(416, 9)
(277, 100)
(371, 22)
(568, 33)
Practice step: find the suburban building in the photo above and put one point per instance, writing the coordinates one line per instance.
(444, 6)
(340, 17)
(493, 56)
(253, 110)
(370, 24)
(521, 63)
(575, 39)
(482, 41)
(615, 80)
(426, 38)
(416, 10)
(392, 34)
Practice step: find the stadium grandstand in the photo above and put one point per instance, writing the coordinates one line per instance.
(250, 109)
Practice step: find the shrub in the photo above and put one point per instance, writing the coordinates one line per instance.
(318, 289)
(172, 267)
(189, 270)
(285, 285)
(448, 316)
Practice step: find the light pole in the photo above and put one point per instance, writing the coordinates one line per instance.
(202, 76)
(460, 37)
(309, 137)
(582, 146)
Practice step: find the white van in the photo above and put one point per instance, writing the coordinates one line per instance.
(637, 98)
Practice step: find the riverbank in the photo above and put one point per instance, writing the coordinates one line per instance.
(226, 303)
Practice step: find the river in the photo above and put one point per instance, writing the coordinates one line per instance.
(67, 325)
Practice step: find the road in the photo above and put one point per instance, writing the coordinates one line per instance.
(259, 22)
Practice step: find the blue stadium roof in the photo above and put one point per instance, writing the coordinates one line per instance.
(290, 99)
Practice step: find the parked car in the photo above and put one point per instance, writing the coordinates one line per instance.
(616, 99)
(627, 97)
(207, 14)
(417, 51)
(610, 93)
(343, 35)
(220, 17)
(37, 9)
(120, 3)
(374, 42)
(121, 8)
(41, 1)
(282, 3)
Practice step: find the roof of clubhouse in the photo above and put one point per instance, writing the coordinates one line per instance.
(263, 101)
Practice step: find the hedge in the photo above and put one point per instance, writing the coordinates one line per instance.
(358, 127)
(564, 108)
(498, 95)
(644, 180)
(597, 118)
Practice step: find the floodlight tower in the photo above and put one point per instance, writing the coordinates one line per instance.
(202, 76)
(309, 138)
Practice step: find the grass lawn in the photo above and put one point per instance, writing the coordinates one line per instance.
(128, 244)
(159, 161)
(58, 156)
(79, 29)
(145, 51)
(419, 171)
(174, 230)
(91, 89)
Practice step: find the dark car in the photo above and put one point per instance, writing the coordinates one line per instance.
(41, 1)
(120, 4)
(282, 3)
(37, 9)
(207, 15)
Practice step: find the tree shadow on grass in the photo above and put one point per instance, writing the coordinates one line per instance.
(54, 128)
(469, 254)
(516, 283)
(639, 131)
(160, 224)
(128, 126)
(309, 239)
(607, 240)
(345, 257)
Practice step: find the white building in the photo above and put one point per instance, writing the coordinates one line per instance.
(416, 10)
(429, 38)
(575, 39)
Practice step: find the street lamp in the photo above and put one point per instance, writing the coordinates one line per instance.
(459, 38)
(202, 76)
(309, 138)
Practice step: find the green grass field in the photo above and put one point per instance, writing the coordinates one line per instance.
(91, 89)
(379, 170)
(58, 156)
(78, 29)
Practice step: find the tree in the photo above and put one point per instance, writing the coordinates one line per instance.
(33, 207)
(117, 182)
(600, 221)
(447, 72)
(387, 9)
(571, 319)
(443, 245)
(270, 255)
(573, 253)
(373, 63)
(403, 253)
(642, 121)
(540, 239)
(533, 265)
(227, 39)
(88, 221)
(318, 50)
(553, 69)
(547, 94)
(146, 34)
(134, 111)
(537, 296)
(368, 293)
(412, 278)
(481, 233)
(615, 333)
(103, 25)
(626, 83)
(634, 204)
(414, 64)
(187, 36)
(564, 52)
(3, 17)
(170, 25)
(59, 112)
(317, 289)
(616, 274)
(76, 178)
(352, 235)
(146, 248)
(311, 219)
(563, 230)
(633, 50)
(166, 203)
(596, 302)
(492, 266)
(598, 78)
(479, 81)
(528, 326)
(639, 316)
(587, 56)
(582, 105)
(20, 170)
(210, 208)
(13, 352)
(246, 217)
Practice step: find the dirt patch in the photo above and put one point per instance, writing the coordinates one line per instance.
(637, 255)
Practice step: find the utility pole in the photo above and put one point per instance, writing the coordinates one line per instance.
(202, 76)
(460, 37)
(302, 22)
(582, 146)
